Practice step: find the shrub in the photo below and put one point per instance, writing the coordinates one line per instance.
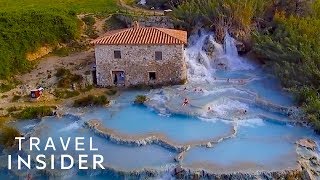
(292, 49)
(65, 94)
(111, 91)
(234, 15)
(87, 88)
(7, 136)
(13, 109)
(114, 23)
(71, 47)
(62, 52)
(66, 82)
(89, 20)
(140, 99)
(156, 3)
(6, 87)
(4, 96)
(15, 98)
(61, 72)
(91, 101)
(34, 112)
(91, 32)
(67, 78)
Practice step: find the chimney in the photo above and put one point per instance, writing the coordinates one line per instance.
(136, 24)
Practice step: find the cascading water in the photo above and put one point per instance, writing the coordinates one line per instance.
(204, 55)
(230, 48)
(235, 62)
(142, 2)
(200, 58)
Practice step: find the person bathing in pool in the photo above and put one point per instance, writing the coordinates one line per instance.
(210, 109)
(185, 102)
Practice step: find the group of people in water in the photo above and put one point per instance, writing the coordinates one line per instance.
(210, 109)
(186, 102)
(195, 90)
(240, 81)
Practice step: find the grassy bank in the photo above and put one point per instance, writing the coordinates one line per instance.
(34, 112)
(7, 136)
(91, 101)
(292, 50)
(83, 6)
(27, 25)
(26, 31)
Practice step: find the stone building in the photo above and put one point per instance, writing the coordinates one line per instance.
(140, 56)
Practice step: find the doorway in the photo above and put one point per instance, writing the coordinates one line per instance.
(118, 78)
(152, 76)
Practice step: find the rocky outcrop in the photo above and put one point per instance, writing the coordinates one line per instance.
(307, 143)
(308, 159)
(209, 48)
(241, 47)
(201, 174)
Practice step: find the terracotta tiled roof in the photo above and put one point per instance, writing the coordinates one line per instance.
(143, 35)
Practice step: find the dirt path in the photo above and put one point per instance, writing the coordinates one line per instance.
(99, 25)
(135, 9)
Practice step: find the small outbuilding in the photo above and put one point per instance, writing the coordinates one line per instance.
(141, 56)
(36, 93)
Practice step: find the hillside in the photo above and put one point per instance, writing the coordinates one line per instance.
(82, 6)
(26, 26)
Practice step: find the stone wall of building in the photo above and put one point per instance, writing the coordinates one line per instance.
(137, 61)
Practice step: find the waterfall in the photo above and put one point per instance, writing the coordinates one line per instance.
(204, 56)
(142, 2)
(230, 47)
(234, 61)
(199, 64)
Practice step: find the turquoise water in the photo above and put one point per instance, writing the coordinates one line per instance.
(268, 89)
(259, 144)
(261, 153)
(26, 126)
(139, 120)
(120, 157)
(265, 86)
(264, 143)
(114, 154)
(244, 74)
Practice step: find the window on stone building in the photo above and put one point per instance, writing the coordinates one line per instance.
(152, 75)
(117, 54)
(158, 55)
